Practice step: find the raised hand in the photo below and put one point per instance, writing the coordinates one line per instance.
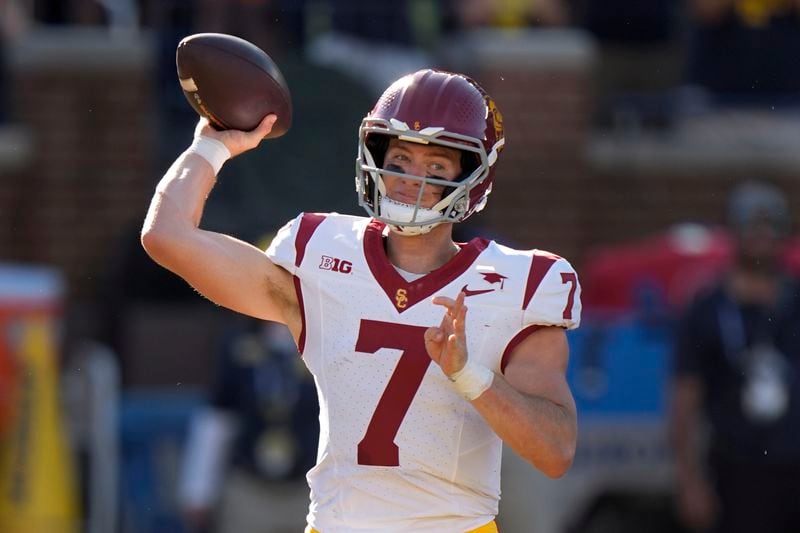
(447, 344)
(237, 141)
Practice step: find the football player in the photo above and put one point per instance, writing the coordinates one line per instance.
(427, 354)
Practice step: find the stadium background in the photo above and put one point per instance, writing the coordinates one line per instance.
(612, 161)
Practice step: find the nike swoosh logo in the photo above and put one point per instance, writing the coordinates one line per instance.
(468, 292)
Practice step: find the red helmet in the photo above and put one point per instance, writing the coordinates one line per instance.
(430, 107)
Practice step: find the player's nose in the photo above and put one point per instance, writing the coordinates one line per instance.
(415, 169)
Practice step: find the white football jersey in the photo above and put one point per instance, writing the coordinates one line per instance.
(399, 449)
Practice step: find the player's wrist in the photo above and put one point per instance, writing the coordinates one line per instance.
(213, 151)
(472, 380)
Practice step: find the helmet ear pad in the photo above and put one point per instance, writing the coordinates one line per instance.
(377, 144)
(469, 162)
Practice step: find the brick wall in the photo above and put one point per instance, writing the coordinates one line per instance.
(15, 163)
(564, 187)
(86, 101)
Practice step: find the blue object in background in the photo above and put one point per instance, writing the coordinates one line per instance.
(153, 428)
(620, 367)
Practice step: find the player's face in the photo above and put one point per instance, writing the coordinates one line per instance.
(419, 160)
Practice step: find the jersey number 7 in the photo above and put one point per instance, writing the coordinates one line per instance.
(377, 448)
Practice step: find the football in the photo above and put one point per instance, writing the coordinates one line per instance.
(232, 82)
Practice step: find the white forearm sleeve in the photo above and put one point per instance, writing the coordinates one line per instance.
(472, 380)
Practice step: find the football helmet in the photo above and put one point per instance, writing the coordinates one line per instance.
(430, 107)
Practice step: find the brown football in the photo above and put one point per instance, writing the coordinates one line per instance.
(232, 82)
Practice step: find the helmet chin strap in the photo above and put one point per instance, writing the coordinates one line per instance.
(399, 212)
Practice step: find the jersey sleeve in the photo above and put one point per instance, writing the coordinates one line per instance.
(282, 250)
(553, 293)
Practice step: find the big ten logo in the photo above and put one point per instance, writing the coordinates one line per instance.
(335, 264)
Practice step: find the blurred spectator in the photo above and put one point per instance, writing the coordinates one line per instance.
(14, 22)
(373, 41)
(273, 25)
(639, 59)
(259, 427)
(737, 362)
(84, 12)
(509, 13)
(745, 52)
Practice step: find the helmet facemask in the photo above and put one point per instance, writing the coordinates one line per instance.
(414, 219)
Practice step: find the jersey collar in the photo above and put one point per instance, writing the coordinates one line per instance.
(405, 294)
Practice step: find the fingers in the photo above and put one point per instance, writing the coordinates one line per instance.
(203, 127)
(460, 320)
(434, 335)
(433, 343)
(456, 310)
(453, 306)
(265, 126)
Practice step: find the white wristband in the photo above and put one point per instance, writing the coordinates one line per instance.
(212, 150)
(472, 380)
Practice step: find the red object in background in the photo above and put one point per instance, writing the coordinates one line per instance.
(26, 293)
(675, 264)
(792, 256)
(8, 381)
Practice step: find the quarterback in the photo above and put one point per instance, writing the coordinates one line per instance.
(427, 354)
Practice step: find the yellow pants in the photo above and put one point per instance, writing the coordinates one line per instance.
(491, 527)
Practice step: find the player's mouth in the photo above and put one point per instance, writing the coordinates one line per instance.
(404, 197)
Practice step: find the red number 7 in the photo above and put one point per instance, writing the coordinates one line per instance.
(569, 277)
(377, 448)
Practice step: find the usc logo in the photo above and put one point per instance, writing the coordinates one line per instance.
(498, 118)
(401, 298)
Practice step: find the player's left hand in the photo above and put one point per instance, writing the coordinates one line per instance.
(447, 344)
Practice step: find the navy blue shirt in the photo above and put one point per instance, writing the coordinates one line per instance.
(632, 21)
(267, 388)
(713, 338)
(746, 63)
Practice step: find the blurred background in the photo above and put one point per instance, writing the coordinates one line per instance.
(130, 404)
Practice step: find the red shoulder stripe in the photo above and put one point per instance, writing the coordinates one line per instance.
(540, 265)
(301, 341)
(308, 224)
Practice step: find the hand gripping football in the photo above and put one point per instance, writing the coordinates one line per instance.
(232, 82)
